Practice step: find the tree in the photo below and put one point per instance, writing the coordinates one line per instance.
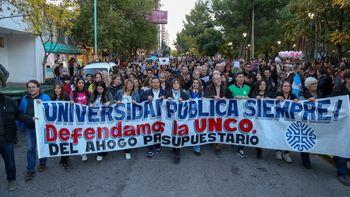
(184, 42)
(210, 42)
(122, 26)
(165, 50)
(195, 24)
(235, 17)
(342, 3)
(48, 20)
(321, 23)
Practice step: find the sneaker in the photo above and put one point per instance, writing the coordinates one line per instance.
(150, 154)
(127, 156)
(278, 155)
(42, 167)
(99, 158)
(29, 176)
(84, 157)
(287, 158)
(344, 180)
(197, 153)
(241, 154)
(177, 159)
(12, 186)
(218, 153)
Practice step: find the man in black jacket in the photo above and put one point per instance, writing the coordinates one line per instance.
(176, 93)
(149, 95)
(216, 90)
(9, 113)
(341, 163)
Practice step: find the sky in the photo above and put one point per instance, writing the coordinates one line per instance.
(177, 10)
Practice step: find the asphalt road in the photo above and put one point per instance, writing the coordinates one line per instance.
(203, 175)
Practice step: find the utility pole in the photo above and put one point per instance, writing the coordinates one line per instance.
(95, 31)
(252, 39)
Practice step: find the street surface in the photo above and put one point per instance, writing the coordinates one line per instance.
(205, 175)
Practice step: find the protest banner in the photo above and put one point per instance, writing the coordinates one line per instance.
(319, 127)
(65, 128)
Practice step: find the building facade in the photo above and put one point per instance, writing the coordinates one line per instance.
(21, 53)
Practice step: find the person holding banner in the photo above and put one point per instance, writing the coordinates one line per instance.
(127, 95)
(80, 95)
(216, 90)
(149, 95)
(285, 94)
(240, 90)
(59, 94)
(259, 93)
(176, 93)
(341, 162)
(100, 97)
(8, 135)
(311, 93)
(27, 106)
(196, 92)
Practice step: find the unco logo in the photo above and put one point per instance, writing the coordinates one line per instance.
(300, 136)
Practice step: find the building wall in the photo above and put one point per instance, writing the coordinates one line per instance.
(23, 53)
(3, 52)
(24, 58)
(14, 23)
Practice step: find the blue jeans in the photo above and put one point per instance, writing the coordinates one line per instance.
(6, 151)
(341, 164)
(31, 150)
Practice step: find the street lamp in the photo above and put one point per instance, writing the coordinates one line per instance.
(95, 31)
(242, 49)
(247, 54)
(279, 43)
(294, 45)
(311, 15)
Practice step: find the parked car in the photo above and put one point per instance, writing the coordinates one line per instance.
(92, 69)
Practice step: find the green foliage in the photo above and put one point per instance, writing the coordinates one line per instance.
(324, 22)
(195, 24)
(210, 42)
(236, 18)
(48, 20)
(184, 42)
(122, 26)
(165, 50)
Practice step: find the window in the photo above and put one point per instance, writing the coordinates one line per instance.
(2, 43)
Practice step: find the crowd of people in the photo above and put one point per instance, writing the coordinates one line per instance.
(184, 78)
